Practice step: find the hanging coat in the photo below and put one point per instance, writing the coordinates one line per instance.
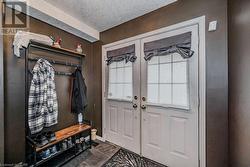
(79, 93)
(43, 106)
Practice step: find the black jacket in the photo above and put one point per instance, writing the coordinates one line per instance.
(79, 93)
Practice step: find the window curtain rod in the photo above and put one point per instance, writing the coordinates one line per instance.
(58, 62)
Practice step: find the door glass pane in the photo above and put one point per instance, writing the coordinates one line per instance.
(180, 72)
(112, 91)
(165, 94)
(128, 64)
(120, 75)
(120, 81)
(128, 75)
(120, 64)
(165, 73)
(112, 75)
(153, 93)
(153, 60)
(177, 57)
(119, 91)
(153, 73)
(165, 59)
(168, 81)
(112, 65)
(180, 97)
(128, 91)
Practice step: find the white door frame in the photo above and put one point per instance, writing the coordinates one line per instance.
(200, 21)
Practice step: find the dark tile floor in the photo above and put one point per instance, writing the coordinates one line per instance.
(94, 157)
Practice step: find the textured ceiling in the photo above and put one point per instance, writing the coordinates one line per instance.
(105, 14)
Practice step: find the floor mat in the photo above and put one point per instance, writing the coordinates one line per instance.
(95, 157)
(125, 158)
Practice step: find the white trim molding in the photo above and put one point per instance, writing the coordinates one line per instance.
(100, 138)
(200, 21)
(48, 13)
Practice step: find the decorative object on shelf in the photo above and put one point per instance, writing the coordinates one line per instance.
(93, 134)
(56, 41)
(79, 48)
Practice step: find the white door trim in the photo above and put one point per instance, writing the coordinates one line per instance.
(200, 21)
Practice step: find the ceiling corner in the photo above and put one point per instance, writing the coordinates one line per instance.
(48, 13)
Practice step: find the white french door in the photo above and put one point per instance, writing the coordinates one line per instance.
(122, 96)
(169, 89)
(151, 107)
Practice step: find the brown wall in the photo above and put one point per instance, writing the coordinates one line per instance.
(216, 53)
(15, 89)
(97, 112)
(239, 82)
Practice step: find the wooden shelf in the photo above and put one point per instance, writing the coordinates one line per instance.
(55, 49)
(66, 133)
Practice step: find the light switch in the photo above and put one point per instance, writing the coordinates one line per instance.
(212, 26)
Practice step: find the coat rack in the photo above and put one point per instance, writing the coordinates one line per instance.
(60, 51)
(57, 51)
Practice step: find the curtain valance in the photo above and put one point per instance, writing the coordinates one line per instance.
(126, 53)
(176, 44)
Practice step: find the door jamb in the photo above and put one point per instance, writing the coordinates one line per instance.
(200, 21)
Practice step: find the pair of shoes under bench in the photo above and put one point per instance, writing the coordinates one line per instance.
(45, 138)
(48, 152)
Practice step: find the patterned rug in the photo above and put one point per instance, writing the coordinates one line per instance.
(125, 158)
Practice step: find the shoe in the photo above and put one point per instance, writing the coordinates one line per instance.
(45, 154)
(82, 139)
(83, 143)
(41, 140)
(51, 136)
(70, 144)
(53, 150)
(64, 145)
(78, 144)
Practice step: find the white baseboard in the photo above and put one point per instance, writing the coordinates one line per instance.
(100, 138)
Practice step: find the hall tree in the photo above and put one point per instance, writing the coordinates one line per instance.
(14, 86)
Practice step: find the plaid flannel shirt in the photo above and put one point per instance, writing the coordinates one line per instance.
(42, 107)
